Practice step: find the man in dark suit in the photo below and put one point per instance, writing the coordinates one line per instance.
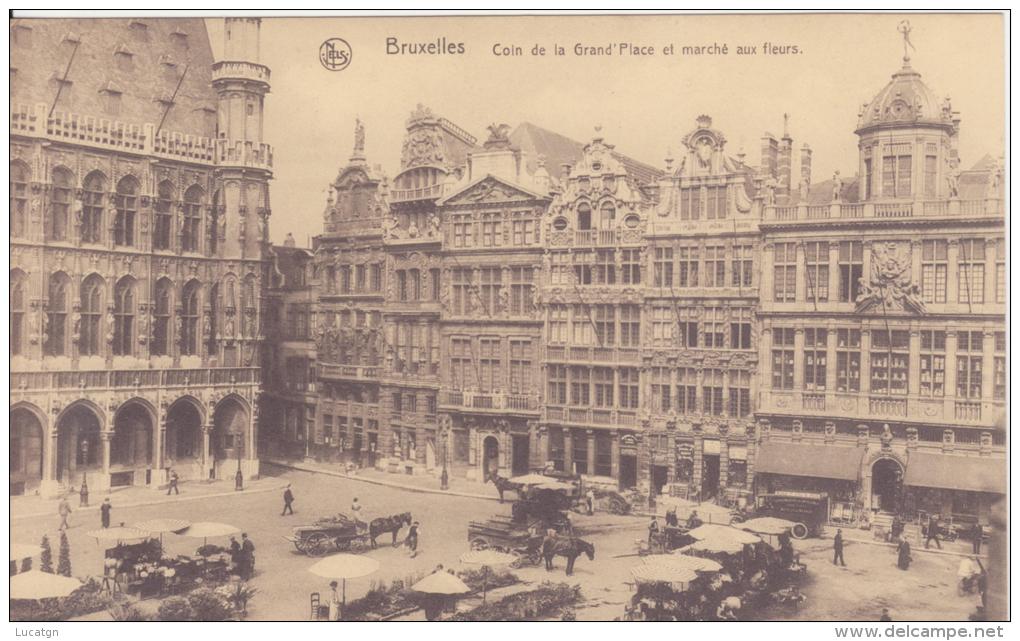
(288, 499)
(837, 549)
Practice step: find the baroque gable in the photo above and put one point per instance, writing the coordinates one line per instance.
(490, 190)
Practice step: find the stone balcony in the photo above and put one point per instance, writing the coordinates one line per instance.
(240, 70)
(843, 212)
(332, 371)
(591, 416)
(594, 237)
(497, 402)
(135, 379)
(910, 408)
(629, 355)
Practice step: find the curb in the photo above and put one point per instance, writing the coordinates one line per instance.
(144, 503)
(399, 486)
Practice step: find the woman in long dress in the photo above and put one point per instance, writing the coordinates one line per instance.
(334, 602)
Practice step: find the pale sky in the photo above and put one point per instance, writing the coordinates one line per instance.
(644, 104)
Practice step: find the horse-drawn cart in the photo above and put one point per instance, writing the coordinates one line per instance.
(338, 534)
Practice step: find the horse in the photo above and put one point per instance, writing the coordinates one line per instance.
(568, 547)
(503, 484)
(388, 524)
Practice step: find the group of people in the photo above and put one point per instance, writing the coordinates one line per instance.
(242, 555)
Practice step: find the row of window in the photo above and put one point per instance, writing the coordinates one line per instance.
(482, 367)
(935, 271)
(889, 359)
(353, 279)
(897, 173)
(489, 231)
(484, 290)
(62, 214)
(349, 434)
(679, 325)
(83, 316)
(412, 287)
(684, 390)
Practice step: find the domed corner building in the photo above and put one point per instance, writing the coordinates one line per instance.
(139, 214)
(882, 321)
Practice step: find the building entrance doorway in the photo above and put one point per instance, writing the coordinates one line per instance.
(886, 485)
(628, 471)
(709, 476)
(659, 478)
(490, 456)
(521, 452)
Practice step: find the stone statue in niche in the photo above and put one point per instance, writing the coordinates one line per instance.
(953, 179)
(887, 437)
(837, 186)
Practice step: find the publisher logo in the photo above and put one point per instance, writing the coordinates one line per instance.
(335, 54)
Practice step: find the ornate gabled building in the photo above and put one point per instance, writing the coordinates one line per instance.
(883, 349)
(700, 302)
(139, 214)
(351, 281)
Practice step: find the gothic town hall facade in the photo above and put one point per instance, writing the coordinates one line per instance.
(139, 212)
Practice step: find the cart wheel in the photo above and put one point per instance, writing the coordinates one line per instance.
(479, 544)
(318, 544)
(358, 545)
(799, 531)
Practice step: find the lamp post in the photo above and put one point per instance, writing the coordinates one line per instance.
(239, 477)
(444, 478)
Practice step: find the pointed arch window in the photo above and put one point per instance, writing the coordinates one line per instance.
(126, 203)
(92, 208)
(56, 315)
(192, 223)
(19, 199)
(91, 314)
(189, 319)
(123, 316)
(18, 287)
(162, 226)
(161, 319)
(60, 205)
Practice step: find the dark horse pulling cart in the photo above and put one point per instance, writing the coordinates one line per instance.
(521, 533)
(342, 533)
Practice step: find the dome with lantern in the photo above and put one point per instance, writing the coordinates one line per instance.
(905, 101)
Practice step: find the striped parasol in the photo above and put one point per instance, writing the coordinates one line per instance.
(662, 574)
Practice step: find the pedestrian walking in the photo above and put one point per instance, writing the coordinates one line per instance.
(903, 558)
(83, 495)
(104, 512)
(356, 510)
(933, 532)
(173, 483)
(248, 556)
(978, 533)
(334, 601)
(837, 549)
(64, 510)
(412, 539)
(653, 530)
(235, 555)
(288, 500)
(885, 615)
(591, 502)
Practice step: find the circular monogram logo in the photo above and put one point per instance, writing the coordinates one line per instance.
(335, 54)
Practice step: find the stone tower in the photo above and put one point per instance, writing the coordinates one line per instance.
(244, 160)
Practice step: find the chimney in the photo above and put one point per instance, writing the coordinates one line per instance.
(769, 155)
(805, 168)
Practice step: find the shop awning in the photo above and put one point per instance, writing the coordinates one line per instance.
(949, 472)
(804, 459)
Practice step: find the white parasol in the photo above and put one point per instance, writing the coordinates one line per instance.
(683, 562)
(206, 529)
(767, 525)
(345, 566)
(714, 532)
(36, 584)
(717, 546)
(662, 574)
(441, 582)
(162, 526)
(118, 534)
